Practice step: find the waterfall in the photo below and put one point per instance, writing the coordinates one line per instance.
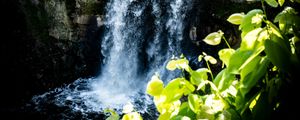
(136, 44)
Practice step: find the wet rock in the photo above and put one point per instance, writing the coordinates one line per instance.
(83, 19)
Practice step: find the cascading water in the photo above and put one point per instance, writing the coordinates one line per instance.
(137, 43)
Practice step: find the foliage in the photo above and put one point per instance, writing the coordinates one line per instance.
(129, 114)
(252, 74)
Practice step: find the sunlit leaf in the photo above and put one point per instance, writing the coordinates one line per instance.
(189, 88)
(166, 108)
(254, 54)
(169, 110)
(272, 3)
(257, 19)
(274, 29)
(258, 71)
(253, 103)
(200, 58)
(237, 60)
(225, 55)
(173, 91)
(210, 59)
(183, 64)
(194, 102)
(247, 25)
(250, 40)
(180, 117)
(199, 75)
(250, 67)
(159, 103)
(206, 113)
(263, 35)
(281, 2)
(171, 65)
(224, 80)
(132, 116)
(215, 103)
(236, 18)
(155, 86)
(180, 64)
(113, 115)
(164, 116)
(246, 83)
(214, 38)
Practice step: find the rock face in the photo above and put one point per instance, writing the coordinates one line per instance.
(46, 44)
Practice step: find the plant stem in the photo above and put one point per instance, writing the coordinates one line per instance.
(264, 8)
(226, 42)
(212, 77)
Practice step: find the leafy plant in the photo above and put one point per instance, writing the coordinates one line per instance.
(252, 74)
(129, 113)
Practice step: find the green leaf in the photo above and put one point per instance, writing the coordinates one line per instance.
(250, 40)
(173, 91)
(189, 88)
(247, 25)
(250, 67)
(274, 29)
(155, 86)
(200, 58)
(225, 115)
(236, 18)
(225, 55)
(205, 113)
(252, 73)
(183, 64)
(287, 18)
(214, 38)
(278, 54)
(233, 114)
(132, 116)
(272, 3)
(257, 19)
(113, 114)
(224, 80)
(246, 84)
(215, 103)
(210, 59)
(171, 65)
(194, 102)
(281, 2)
(199, 76)
(186, 111)
(237, 60)
(180, 64)
(286, 11)
(164, 116)
(180, 117)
